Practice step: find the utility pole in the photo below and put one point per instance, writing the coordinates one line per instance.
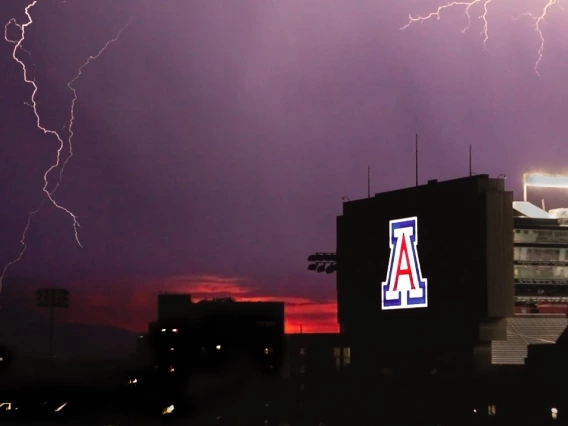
(52, 298)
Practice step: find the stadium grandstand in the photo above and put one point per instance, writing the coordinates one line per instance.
(540, 274)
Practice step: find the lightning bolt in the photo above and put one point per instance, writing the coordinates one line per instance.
(18, 45)
(538, 20)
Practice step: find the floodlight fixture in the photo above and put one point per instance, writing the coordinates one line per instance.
(543, 180)
(323, 262)
(322, 257)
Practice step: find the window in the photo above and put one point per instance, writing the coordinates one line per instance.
(346, 356)
(302, 351)
(268, 351)
(302, 369)
(302, 387)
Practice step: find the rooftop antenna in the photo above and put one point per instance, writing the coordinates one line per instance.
(470, 171)
(369, 182)
(416, 142)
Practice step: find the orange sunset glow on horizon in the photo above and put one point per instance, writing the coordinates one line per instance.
(134, 304)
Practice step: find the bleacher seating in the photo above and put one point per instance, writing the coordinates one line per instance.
(522, 331)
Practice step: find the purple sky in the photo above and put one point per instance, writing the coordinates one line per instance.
(216, 138)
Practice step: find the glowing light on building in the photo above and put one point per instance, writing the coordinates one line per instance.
(404, 287)
(543, 180)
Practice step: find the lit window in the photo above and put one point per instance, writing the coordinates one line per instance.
(140, 337)
(554, 413)
(267, 351)
(172, 369)
(163, 330)
(174, 330)
(218, 347)
(172, 349)
(346, 356)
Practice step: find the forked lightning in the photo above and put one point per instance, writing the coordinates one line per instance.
(18, 46)
(485, 6)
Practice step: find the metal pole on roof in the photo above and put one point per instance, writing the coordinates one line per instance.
(470, 172)
(416, 142)
(369, 182)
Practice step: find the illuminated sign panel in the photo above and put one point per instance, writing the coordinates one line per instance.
(404, 287)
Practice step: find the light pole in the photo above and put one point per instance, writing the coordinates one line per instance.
(52, 298)
(543, 180)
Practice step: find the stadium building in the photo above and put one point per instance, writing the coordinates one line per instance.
(429, 269)
(516, 284)
(540, 275)
(440, 282)
(424, 287)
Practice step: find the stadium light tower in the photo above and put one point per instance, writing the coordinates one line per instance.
(543, 180)
(323, 262)
(52, 298)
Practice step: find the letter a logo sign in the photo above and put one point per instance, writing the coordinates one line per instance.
(404, 288)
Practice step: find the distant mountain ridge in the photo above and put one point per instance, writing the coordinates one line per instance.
(27, 333)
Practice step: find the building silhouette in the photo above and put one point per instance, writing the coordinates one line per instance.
(198, 336)
(455, 250)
